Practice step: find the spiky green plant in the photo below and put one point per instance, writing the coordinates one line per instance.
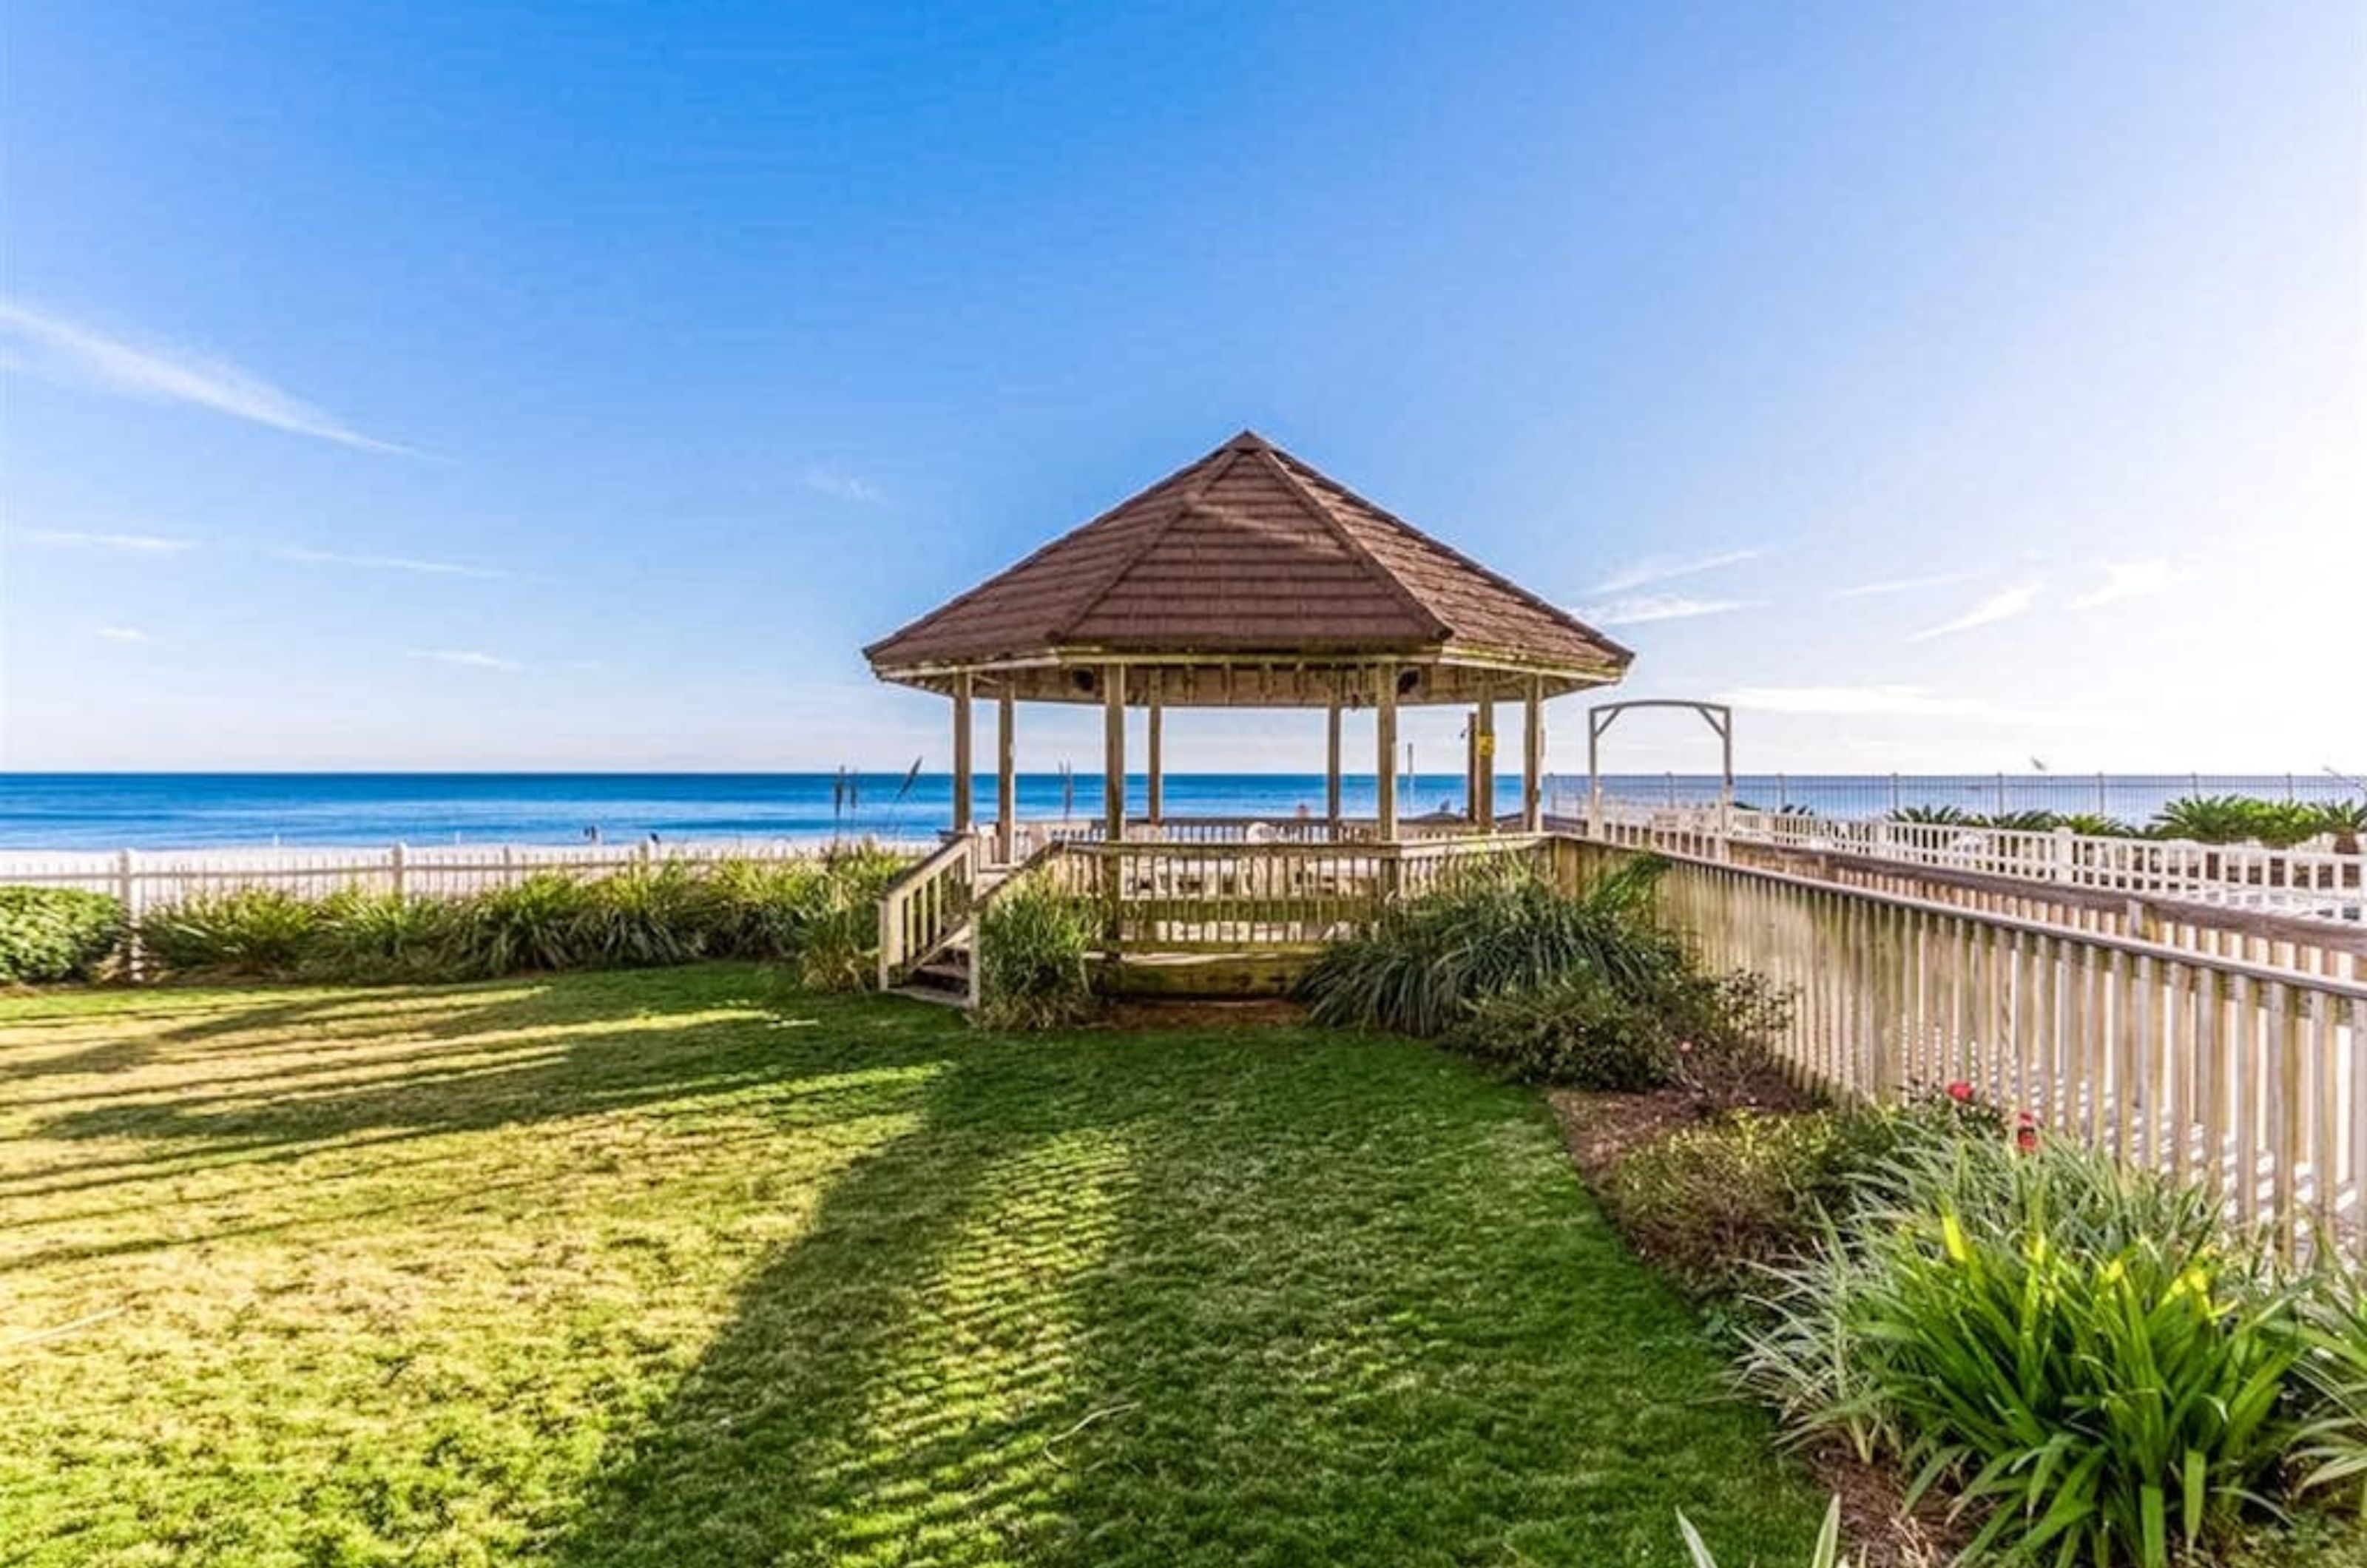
(2332, 1449)
(1935, 817)
(532, 924)
(1424, 962)
(2080, 1350)
(242, 931)
(1033, 946)
(2093, 825)
(372, 934)
(1826, 1554)
(643, 917)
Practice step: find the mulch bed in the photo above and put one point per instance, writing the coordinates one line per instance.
(1601, 1130)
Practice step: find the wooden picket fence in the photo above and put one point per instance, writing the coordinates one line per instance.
(2245, 1075)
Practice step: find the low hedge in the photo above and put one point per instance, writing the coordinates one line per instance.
(48, 934)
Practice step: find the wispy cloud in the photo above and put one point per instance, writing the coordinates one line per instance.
(2000, 606)
(465, 657)
(840, 485)
(2128, 579)
(120, 634)
(1903, 584)
(386, 563)
(1640, 608)
(1883, 701)
(130, 544)
(1659, 569)
(61, 349)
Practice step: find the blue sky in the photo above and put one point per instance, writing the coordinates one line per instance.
(497, 386)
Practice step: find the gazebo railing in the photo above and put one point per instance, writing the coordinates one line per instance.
(926, 903)
(1028, 836)
(1183, 898)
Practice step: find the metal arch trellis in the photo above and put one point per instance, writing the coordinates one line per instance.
(1602, 715)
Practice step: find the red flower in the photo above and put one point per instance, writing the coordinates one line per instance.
(2026, 1136)
(1961, 1092)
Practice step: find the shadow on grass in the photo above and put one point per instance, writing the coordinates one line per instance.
(592, 1046)
(1186, 1300)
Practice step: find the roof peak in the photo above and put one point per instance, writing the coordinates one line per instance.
(1247, 441)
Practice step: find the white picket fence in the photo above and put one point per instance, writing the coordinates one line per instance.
(146, 880)
(2248, 1076)
(2302, 883)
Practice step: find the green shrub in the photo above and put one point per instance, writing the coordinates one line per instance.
(57, 933)
(1716, 1205)
(1423, 963)
(1664, 1026)
(1579, 1030)
(1033, 944)
(261, 931)
(2080, 1350)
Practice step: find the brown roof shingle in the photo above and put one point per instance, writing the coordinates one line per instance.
(1248, 550)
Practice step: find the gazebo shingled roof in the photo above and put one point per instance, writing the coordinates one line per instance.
(1249, 579)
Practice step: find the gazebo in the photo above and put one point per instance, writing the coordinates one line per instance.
(1249, 580)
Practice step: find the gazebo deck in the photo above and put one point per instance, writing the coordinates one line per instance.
(1266, 894)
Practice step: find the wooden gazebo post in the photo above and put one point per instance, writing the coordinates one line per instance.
(961, 752)
(1006, 789)
(1384, 726)
(1114, 751)
(1332, 766)
(1533, 757)
(1152, 761)
(1483, 767)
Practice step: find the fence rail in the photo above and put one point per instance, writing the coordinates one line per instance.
(2248, 1076)
(2306, 885)
(150, 880)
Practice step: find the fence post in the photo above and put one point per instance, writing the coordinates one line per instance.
(127, 893)
(2001, 786)
(509, 866)
(2101, 809)
(395, 861)
(2066, 852)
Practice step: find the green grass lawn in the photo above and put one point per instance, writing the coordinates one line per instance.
(684, 1268)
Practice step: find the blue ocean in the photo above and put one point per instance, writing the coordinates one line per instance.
(160, 811)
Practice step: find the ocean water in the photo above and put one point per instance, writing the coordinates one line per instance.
(160, 811)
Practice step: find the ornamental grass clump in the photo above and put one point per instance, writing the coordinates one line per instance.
(1034, 943)
(2080, 1352)
(263, 932)
(819, 914)
(1422, 965)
